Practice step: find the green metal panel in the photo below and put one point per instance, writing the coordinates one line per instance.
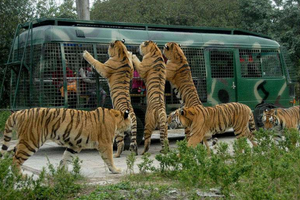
(221, 76)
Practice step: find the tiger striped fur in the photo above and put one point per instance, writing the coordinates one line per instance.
(278, 119)
(207, 121)
(74, 129)
(180, 77)
(118, 70)
(152, 70)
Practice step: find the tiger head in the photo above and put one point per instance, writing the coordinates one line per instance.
(118, 49)
(173, 120)
(122, 120)
(173, 52)
(176, 59)
(181, 117)
(270, 119)
(148, 47)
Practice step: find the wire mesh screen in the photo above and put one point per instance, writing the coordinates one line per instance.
(271, 63)
(250, 62)
(196, 60)
(82, 88)
(81, 78)
(221, 63)
(258, 63)
(51, 77)
(291, 70)
(25, 99)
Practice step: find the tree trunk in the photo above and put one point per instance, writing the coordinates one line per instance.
(83, 9)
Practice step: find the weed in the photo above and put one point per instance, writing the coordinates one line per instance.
(146, 164)
(130, 160)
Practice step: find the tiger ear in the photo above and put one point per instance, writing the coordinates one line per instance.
(126, 114)
(115, 113)
(179, 45)
(112, 44)
(166, 47)
(123, 41)
(146, 43)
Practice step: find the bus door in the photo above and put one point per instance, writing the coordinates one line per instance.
(221, 81)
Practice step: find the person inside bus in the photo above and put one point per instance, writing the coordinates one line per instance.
(89, 85)
(138, 86)
(58, 82)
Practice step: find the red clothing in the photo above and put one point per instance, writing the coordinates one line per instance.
(136, 81)
(58, 76)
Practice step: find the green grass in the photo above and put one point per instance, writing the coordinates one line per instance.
(268, 171)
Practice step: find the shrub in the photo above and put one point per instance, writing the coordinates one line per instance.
(57, 184)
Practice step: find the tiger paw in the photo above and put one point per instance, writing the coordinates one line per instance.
(116, 171)
(117, 155)
(86, 54)
(133, 148)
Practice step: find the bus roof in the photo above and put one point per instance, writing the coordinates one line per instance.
(66, 30)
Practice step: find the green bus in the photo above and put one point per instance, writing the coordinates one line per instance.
(228, 65)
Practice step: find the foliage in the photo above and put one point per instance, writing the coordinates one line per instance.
(57, 184)
(3, 117)
(268, 171)
(130, 160)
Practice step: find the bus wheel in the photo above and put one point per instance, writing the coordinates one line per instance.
(258, 113)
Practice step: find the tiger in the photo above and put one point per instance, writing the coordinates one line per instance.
(278, 119)
(118, 70)
(152, 70)
(204, 122)
(70, 128)
(180, 77)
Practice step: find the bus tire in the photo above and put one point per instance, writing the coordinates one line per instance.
(258, 113)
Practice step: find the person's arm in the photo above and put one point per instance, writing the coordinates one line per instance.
(84, 78)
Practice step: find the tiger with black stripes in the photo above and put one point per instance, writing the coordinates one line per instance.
(73, 129)
(152, 70)
(278, 119)
(180, 77)
(118, 70)
(204, 122)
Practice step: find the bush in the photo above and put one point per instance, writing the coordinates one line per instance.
(57, 184)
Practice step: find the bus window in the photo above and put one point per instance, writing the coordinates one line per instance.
(271, 64)
(221, 64)
(250, 63)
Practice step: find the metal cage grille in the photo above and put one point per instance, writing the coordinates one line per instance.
(48, 77)
(258, 63)
(271, 63)
(195, 57)
(221, 64)
(25, 99)
(250, 62)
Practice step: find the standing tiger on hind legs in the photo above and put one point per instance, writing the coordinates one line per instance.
(152, 70)
(118, 70)
(180, 77)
